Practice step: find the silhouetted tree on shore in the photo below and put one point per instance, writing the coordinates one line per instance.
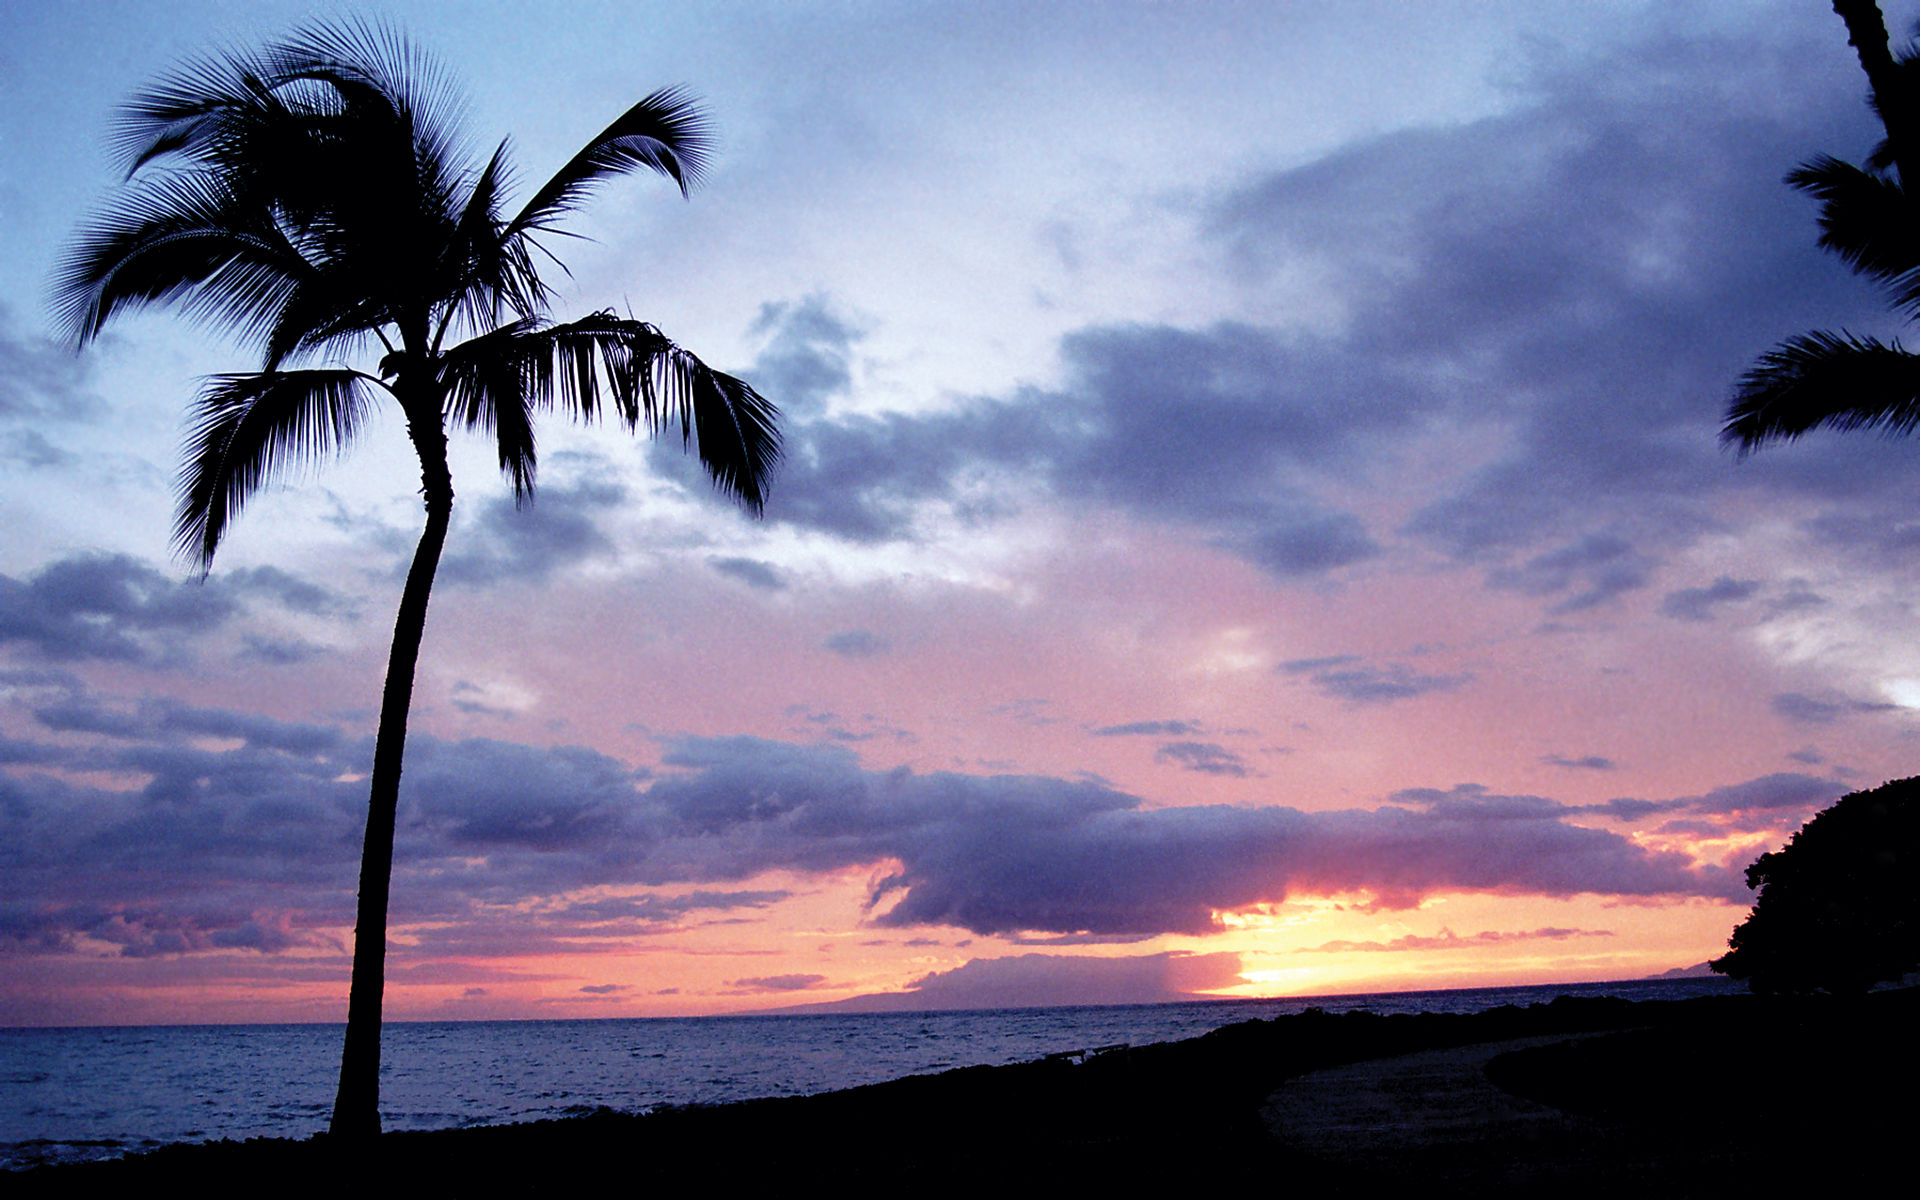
(315, 197)
(1838, 907)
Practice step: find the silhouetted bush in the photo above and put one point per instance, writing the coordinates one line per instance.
(1839, 905)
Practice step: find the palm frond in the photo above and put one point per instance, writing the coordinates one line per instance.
(179, 237)
(666, 132)
(1824, 380)
(1869, 221)
(245, 430)
(603, 361)
(486, 384)
(483, 271)
(189, 111)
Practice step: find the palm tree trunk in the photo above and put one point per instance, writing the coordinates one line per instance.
(1867, 34)
(356, 1108)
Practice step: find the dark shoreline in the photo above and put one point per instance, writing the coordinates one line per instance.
(1686, 1096)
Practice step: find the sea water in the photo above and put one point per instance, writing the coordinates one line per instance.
(67, 1095)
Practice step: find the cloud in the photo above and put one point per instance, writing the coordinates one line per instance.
(1040, 980)
(1505, 342)
(856, 643)
(1015, 853)
(1205, 757)
(1769, 802)
(1803, 709)
(1589, 762)
(279, 652)
(40, 381)
(778, 983)
(110, 607)
(117, 608)
(1150, 729)
(493, 834)
(288, 591)
(529, 543)
(1704, 603)
(1447, 939)
(807, 360)
(1596, 568)
(751, 572)
(1350, 678)
(168, 720)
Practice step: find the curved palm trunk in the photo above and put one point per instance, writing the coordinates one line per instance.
(1867, 34)
(356, 1108)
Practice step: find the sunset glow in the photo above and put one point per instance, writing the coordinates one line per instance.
(1253, 524)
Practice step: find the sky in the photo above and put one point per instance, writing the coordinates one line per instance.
(1253, 524)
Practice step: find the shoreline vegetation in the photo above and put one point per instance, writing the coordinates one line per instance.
(1583, 1096)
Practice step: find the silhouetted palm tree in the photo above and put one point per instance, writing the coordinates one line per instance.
(1869, 218)
(314, 197)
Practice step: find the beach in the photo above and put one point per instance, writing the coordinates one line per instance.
(1581, 1096)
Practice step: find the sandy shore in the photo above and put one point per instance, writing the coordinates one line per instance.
(1577, 1097)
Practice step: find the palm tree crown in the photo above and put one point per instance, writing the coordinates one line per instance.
(1841, 380)
(314, 197)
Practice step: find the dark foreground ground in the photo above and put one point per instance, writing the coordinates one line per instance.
(1712, 1096)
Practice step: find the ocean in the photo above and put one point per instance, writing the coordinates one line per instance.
(73, 1094)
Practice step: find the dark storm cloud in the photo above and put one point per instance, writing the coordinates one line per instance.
(1349, 677)
(1705, 603)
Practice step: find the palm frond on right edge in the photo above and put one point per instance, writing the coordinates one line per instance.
(1830, 380)
(248, 429)
(1868, 220)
